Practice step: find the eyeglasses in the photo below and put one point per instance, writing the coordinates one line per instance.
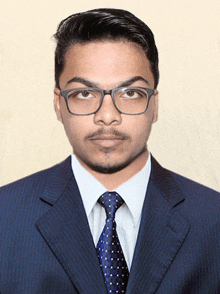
(127, 100)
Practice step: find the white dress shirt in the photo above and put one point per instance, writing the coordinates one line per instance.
(127, 217)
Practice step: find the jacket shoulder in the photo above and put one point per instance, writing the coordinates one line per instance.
(35, 181)
(193, 186)
(162, 175)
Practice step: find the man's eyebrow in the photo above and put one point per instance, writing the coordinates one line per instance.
(82, 81)
(133, 80)
(93, 85)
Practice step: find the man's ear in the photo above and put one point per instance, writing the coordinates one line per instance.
(57, 106)
(155, 115)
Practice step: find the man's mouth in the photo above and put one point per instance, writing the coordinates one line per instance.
(107, 141)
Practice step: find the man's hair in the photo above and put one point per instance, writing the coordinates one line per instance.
(104, 24)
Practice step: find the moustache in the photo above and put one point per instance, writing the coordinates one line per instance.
(112, 132)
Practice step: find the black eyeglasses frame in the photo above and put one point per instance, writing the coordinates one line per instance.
(150, 93)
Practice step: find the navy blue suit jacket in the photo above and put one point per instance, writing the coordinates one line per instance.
(47, 247)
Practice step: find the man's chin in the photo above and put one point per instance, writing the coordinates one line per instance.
(109, 164)
(107, 169)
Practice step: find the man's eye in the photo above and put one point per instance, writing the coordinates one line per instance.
(84, 94)
(132, 94)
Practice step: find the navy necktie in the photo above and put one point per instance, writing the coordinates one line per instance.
(109, 250)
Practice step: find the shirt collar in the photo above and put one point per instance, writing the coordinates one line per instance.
(90, 188)
(132, 191)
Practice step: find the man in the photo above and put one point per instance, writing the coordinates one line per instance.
(59, 225)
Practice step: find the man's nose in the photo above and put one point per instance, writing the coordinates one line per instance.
(107, 113)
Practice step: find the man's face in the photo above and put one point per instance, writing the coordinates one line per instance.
(106, 141)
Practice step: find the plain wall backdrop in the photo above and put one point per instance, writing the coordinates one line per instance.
(186, 138)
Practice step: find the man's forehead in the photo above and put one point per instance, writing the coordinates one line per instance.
(96, 44)
(106, 64)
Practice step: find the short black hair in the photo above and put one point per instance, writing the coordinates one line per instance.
(102, 24)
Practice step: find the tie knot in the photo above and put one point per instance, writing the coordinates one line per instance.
(111, 201)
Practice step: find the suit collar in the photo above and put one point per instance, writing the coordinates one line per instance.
(161, 234)
(168, 187)
(60, 176)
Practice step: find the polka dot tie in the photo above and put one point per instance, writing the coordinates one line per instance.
(109, 250)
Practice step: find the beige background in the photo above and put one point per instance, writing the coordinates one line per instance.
(186, 138)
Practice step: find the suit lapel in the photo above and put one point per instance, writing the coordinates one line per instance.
(161, 234)
(66, 230)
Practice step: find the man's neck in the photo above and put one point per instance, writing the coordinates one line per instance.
(113, 180)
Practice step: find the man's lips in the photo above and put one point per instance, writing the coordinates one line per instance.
(106, 141)
(107, 137)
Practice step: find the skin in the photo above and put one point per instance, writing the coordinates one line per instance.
(110, 145)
